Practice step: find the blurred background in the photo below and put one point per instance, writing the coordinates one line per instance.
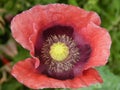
(11, 52)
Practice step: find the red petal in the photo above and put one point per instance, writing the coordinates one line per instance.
(100, 42)
(25, 73)
(26, 26)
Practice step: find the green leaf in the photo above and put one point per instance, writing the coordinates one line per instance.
(22, 54)
(45, 1)
(73, 2)
(11, 84)
(111, 81)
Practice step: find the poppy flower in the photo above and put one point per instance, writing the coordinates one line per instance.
(65, 44)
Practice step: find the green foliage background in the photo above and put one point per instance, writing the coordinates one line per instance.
(109, 11)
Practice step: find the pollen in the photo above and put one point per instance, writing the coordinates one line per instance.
(59, 54)
(59, 51)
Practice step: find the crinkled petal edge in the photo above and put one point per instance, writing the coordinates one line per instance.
(25, 72)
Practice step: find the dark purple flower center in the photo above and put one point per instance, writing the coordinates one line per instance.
(70, 66)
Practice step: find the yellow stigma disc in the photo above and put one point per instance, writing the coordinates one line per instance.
(59, 51)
